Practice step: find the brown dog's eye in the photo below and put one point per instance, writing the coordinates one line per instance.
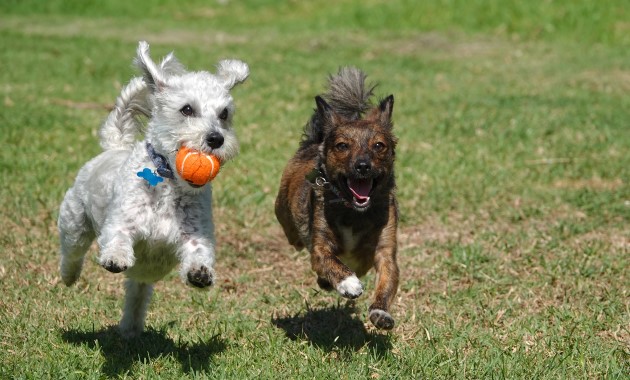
(224, 114)
(187, 110)
(342, 146)
(379, 147)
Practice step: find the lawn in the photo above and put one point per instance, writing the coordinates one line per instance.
(513, 173)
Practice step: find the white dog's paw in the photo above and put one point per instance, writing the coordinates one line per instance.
(115, 263)
(200, 276)
(381, 319)
(350, 287)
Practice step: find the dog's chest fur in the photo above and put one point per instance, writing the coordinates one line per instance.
(357, 235)
(164, 216)
(157, 216)
(349, 240)
(154, 260)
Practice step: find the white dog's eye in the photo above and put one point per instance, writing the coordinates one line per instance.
(187, 110)
(224, 114)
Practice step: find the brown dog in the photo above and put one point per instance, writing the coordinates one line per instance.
(337, 198)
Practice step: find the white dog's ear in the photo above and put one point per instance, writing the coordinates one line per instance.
(232, 72)
(171, 65)
(153, 75)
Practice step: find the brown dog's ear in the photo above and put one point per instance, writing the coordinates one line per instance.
(325, 113)
(386, 107)
(324, 110)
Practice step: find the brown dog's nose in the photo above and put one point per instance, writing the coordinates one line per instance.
(214, 140)
(362, 167)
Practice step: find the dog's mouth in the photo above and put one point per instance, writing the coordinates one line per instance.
(359, 190)
(194, 186)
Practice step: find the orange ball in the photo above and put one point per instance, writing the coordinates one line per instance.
(196, 167)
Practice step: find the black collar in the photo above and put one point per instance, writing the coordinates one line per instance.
(317, 177)
(160, 162)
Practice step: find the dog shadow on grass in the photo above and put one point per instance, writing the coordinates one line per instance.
(333, 329)
(120, 354)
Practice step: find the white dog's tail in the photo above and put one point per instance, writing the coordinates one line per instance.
(122, 126)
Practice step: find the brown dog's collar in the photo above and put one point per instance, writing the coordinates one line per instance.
(317, 177)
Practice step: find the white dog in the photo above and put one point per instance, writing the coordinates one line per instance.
(146, 218)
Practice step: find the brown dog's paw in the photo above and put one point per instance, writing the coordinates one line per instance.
(200, 277)
(381, 319)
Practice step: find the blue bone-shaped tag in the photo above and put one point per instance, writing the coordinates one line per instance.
(150, 177)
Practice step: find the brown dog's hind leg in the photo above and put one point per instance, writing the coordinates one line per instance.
(285, 217)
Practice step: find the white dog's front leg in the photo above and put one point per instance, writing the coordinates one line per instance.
(116, 250)
(197, 261)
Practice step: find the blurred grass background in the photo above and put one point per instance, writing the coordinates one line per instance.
(512, 170)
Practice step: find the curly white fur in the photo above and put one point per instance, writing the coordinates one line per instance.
(120, 129)
(141, 229)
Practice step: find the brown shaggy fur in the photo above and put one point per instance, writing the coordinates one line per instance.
(337, 194)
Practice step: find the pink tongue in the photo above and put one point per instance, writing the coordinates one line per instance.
(360, 188)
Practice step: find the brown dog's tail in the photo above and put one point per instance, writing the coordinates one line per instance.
(347, 95)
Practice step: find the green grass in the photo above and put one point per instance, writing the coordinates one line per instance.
(513, 182)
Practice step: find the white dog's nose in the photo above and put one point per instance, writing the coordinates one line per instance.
(214, 140)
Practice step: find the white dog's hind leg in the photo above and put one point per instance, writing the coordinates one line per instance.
(137, 299)
(76, 235)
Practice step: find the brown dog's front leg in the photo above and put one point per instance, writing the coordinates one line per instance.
(331, 272)
(386, 275)
(386, 287)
